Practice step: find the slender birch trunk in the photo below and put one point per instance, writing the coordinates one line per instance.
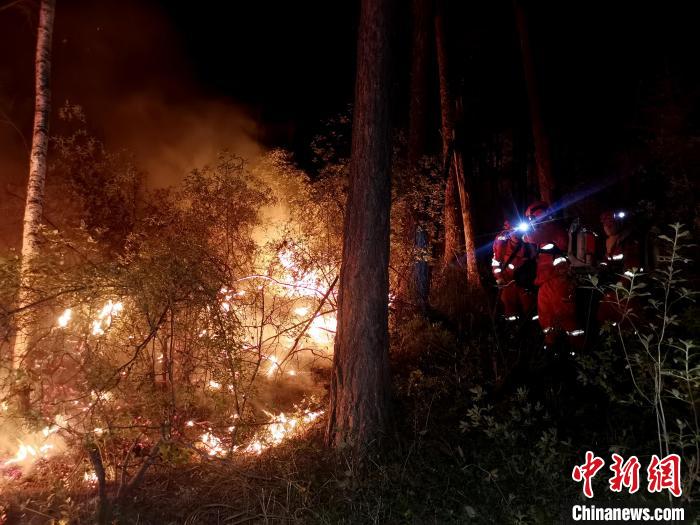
(21, 355)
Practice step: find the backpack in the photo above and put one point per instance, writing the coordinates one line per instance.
(582, 246)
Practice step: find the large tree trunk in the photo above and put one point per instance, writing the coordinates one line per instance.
(21, 355)
(359, 393)
(453, 156)
(539, 134)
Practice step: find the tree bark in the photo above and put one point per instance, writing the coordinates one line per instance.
(453, 249)
(456, 187)
(539, 134)
(465, 201)
(359, 412)
(33, 210)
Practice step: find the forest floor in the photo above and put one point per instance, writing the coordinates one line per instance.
(465, 449)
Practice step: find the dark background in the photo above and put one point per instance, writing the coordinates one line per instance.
(174, 82)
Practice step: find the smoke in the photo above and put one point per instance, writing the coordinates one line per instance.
(170, 141)
(126, 66)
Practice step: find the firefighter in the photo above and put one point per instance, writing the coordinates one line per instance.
(513, 269)
(622, 258)
(556, 306)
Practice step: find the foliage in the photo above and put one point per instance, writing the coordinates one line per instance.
(160, 347)
(186, 324)
(653, 345)
(104, 188)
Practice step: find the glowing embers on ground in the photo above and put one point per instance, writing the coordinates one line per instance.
(212, 444)
(25, 452)
(90, 478)
(34, 446)
(280, 428)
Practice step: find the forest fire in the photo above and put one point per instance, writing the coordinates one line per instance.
(317, 324)
(34, 446)
(279, 428)
(180, 238)
(105, 317)
(65, 318)
(25, 452)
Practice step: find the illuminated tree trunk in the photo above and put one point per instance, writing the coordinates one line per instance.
(453, 249)
(456, 185)
(21, 358)
(451, 212)
(419, 280)
(539, 135)
(359, 391)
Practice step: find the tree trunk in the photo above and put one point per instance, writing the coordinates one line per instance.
(453, 251)
(359, 393)
(465, 201)
(419, 279)
(21, 355)
(539, 134)
(456, 187)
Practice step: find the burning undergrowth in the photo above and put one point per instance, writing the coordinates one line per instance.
(208, 334)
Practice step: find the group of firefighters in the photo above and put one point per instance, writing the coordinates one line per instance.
(532, 264)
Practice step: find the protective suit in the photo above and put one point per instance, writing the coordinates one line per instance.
(556, 305)
(622, 257)
(513, 266)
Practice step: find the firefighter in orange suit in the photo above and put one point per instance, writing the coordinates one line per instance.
(556, 304)
(512, 266)
(622, 258)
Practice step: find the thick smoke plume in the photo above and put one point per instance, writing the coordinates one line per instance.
(129, 74)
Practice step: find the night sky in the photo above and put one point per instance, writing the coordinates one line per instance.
(174, 82)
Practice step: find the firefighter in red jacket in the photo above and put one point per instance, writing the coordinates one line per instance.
(622, 258)
(512, 266)
(556, 305)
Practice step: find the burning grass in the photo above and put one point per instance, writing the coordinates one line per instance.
(246, 486)
(206, 339)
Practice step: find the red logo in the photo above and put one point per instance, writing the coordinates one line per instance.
(661, 474)
(587, 471)
(626, 474)
(665, 474)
